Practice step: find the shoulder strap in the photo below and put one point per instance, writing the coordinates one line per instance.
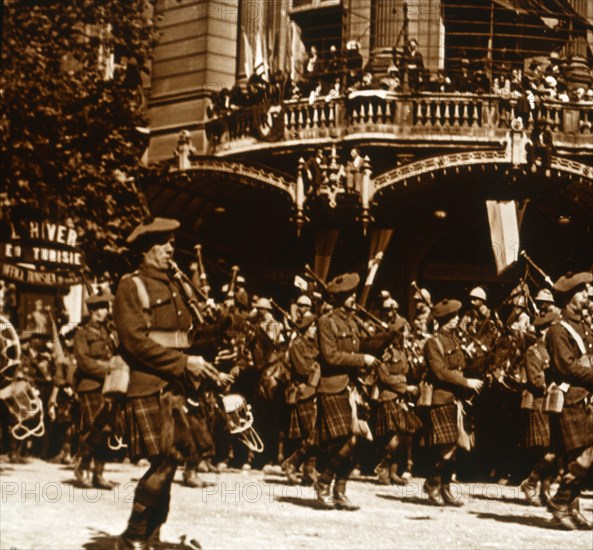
(576, 336)
(143, 296)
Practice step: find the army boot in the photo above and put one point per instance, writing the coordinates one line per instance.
(341, 501)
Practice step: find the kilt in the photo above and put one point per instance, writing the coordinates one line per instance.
(334, 416)
(441, 426)
(535, 429)
(575, 428)
(144, 423)
(90, 405)
(302, 419)
(394, 418)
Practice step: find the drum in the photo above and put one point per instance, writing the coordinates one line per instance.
(24, 404)
(240, 421)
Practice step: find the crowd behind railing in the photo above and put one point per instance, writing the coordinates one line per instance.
(337, 76)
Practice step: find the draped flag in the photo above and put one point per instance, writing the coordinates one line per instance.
(325, 245)
(504, 233)
(298, 52)
(248, 56)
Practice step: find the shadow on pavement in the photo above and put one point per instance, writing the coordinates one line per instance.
(507, 500)
(304, 502)
(410, 500)
(533, 521)
(104, 541)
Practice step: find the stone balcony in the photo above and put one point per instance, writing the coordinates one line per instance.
(424, 119)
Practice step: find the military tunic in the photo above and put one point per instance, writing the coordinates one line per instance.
(445, 362)
(572, 428)
(303, 354)
(536, 428)
(93, 347)
(151, 343)
(339, 343)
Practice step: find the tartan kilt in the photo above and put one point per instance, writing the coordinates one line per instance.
(144, 423)
(393, 418)
(90, 405)
(536, 429)
(334, 416)
(441, 425)
(302, 419)
(575, 427)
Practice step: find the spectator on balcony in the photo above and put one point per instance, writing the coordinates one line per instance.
(334, 92)
(414, 66)
(541, 147)
(314, 172)
(465, 81)
(440, 82)
(333, 69)
(392, 81)
(313, 68)
(354, 62)
(481, 80)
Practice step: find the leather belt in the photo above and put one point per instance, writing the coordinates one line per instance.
(170, 339)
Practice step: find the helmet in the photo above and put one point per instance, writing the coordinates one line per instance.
(478, 293)
(422, 296)
(544, 295)
(263, 303)
(304, 301)
(390, 303)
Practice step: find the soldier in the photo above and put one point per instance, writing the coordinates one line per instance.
(394, 419)
(545, 302)
(445, 362)
(570, 345)
(93, 348)
(340, 360)
(536, 431)
(479, 312)
(305, 372)
(152, 322)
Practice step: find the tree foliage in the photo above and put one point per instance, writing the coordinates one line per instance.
(66, 126)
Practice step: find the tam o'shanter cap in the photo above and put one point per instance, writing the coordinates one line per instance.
(157, 225)
(544, 320)
(343, 283)
(446, 307)
(571, 281)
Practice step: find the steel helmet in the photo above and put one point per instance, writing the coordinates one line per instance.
(304, 301)
(390, 303)
(478, 293)
(263, 303)
(545, 295)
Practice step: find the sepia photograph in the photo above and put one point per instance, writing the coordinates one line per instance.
(296, 274)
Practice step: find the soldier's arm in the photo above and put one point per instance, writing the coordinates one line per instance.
(560, 347)
(438, 365)
(133, 333)
(328, 346)
(536, 382)
(96, 368)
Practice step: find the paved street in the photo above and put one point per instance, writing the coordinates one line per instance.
(41, 508)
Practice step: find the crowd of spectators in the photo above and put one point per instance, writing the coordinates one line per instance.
(325, 79)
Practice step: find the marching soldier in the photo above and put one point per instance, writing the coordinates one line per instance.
(570, 345)
(545, 302)
(339, 343)
(152, 322)
(305, 372)
(445, 362)
(536, 431)
(478, 314)
(394, 419)
(93, 348)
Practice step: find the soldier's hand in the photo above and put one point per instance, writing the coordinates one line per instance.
(475, 384)
(51, 410)
(370, 360)
(412, 390)
(200, 368)
(224, 379)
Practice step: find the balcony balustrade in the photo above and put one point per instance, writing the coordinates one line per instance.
(463, 119)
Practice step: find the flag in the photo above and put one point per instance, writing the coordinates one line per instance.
(504, 232)
(248, 56)
(260, 65)
(298, 52)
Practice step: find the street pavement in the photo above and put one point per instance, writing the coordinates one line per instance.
(40, 507)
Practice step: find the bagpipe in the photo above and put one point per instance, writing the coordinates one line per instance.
(20, 397)
(237, 411)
